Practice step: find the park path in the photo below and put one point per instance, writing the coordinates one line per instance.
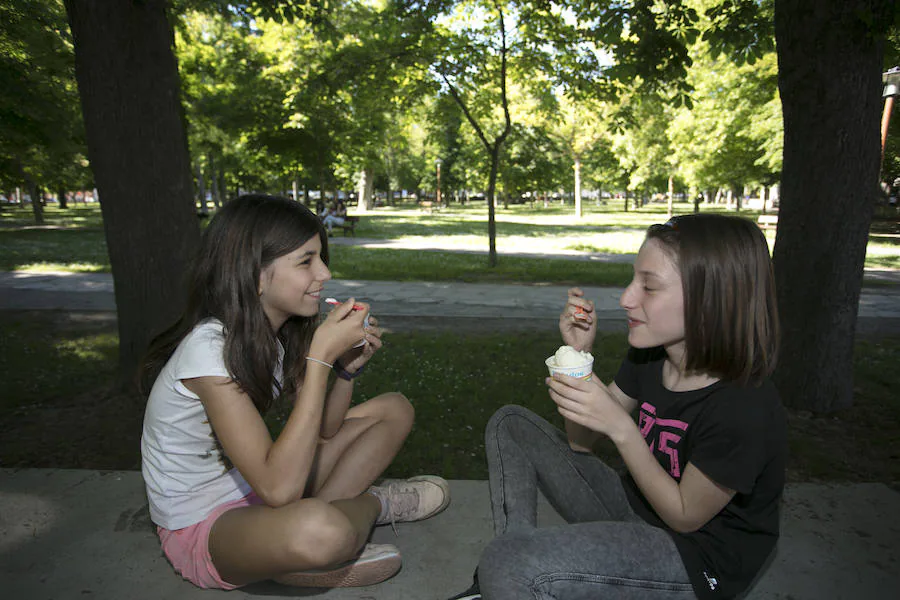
(20, 290)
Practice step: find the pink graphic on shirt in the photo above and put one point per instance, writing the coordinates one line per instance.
(663, 436)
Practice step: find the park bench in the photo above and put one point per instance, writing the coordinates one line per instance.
(767, 221)
(429, 206)
(349, 225)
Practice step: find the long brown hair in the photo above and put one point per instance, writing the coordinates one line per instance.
(243, 238)
(730, 310)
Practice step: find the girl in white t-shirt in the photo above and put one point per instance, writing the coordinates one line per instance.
(232, 505)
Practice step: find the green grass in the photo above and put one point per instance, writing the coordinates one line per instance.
(73, 240)
(40, 361)
(455, 381)
(353, 262)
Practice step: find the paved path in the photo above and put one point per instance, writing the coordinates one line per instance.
(86, 534)
(94, 291)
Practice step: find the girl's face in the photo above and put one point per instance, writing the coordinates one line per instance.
(291, 284)
(654, 301)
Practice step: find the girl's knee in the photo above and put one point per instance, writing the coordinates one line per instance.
(505, 561)
(397, 407)
(503, 414)
(319, 535)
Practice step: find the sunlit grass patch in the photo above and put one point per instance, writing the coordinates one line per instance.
(349, 262)
(78, 243)
(51, 267)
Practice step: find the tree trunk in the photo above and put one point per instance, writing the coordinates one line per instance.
(829, 76)
(214, 178)
(37, 207)
(578, 211)
(492, 187)
(670, 198)
(61, 197)
(128, 82)
(370, 189)
(201, 189)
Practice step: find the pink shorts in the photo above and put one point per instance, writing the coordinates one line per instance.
(188, 548)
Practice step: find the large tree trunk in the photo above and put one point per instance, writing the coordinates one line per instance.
(128, 81)
(829, 75)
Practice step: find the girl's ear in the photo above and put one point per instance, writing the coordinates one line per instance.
(261, 284)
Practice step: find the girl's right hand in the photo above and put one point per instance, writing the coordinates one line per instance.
(341, 330)
(578, 323)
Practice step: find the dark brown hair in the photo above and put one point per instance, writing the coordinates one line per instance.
(242, 239)
(730, 310)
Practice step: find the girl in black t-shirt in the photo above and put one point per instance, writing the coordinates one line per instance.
(696, 512)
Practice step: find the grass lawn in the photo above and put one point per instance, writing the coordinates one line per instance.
(57, 410)
(74, 240)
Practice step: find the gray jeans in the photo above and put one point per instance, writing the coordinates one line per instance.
(606, 550)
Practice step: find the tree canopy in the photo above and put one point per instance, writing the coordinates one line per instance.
(515, 98)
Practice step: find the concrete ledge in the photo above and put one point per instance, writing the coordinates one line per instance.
(87, 534)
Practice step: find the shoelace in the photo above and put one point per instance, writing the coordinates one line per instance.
(402, 501)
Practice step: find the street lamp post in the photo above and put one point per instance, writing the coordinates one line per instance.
(891, 81)
(437, 198)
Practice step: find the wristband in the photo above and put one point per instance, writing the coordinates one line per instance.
(344, 373)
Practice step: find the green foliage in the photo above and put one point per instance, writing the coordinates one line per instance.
(40, 117)
(743, 29)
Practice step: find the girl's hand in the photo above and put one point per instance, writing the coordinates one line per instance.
(341, 329)
(589, 403)
(577, 323)
(355, 358)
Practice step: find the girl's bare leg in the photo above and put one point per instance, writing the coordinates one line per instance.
(364, 446)
(258, 542)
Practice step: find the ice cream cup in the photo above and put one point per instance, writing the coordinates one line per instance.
(582, 371)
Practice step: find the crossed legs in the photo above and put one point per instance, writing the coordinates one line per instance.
(605, 551)
(333, 521)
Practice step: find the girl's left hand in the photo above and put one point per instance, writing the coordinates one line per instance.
(589, 403)
(355, 358)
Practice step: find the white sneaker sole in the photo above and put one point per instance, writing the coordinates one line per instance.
(360, 573)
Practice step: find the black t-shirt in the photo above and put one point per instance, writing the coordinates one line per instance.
(736, 436)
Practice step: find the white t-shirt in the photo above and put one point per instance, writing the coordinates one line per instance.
(184, 468)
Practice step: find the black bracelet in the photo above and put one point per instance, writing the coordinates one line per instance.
(344, 373)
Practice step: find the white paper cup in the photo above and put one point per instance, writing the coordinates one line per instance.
(583, 371)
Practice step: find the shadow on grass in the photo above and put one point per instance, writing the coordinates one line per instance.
(58, 410)
(58, 407)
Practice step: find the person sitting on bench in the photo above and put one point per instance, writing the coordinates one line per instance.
(335, 215)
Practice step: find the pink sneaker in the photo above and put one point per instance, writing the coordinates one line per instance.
(375, 563)
(412, 499)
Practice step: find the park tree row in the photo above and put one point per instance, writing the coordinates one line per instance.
(630, 92)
